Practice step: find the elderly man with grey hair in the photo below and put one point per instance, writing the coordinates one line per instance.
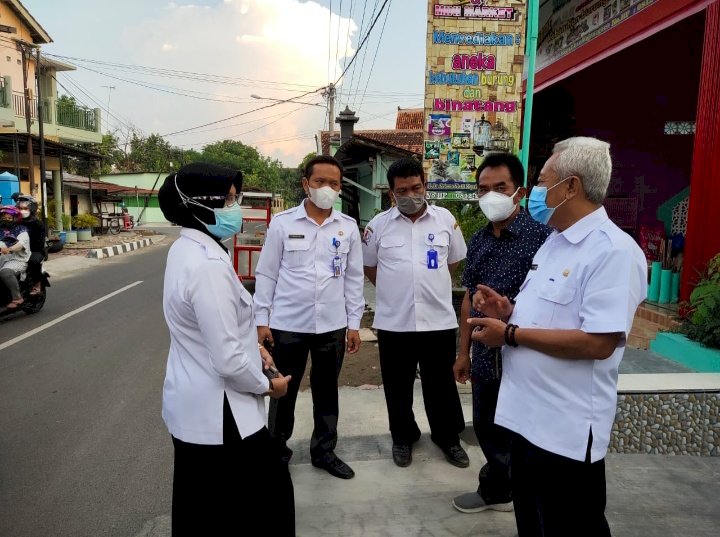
(564, 338)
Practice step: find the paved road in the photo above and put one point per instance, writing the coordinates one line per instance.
(83, 450)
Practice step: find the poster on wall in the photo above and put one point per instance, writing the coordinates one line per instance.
(566, 25)
(473, 89)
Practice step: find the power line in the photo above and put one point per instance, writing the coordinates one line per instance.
(367, 35)
(337, 41)
(190, 75)
(329, 39)
(362, 65)
(347, 65)
(243, 113)
(347, 37)
(377, 48)
(234, 136)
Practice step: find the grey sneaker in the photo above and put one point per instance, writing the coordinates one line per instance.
(472, 502)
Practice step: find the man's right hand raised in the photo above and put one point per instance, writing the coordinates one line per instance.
(491, 304)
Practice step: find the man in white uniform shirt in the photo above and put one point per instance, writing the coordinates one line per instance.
(308, 298)
(410, 253)
(564, 340)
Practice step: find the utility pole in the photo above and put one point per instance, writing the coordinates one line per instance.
(28, 119)
(42, 135)
(110, 89)
(329, 94)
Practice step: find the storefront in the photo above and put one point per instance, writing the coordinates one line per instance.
(644, 76)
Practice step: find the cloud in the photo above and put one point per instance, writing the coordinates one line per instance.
(282, 41)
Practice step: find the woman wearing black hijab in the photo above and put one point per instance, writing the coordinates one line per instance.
(228, 475)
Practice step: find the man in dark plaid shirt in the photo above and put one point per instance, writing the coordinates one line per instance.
(499, 256)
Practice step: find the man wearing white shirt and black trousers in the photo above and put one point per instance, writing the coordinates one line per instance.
(226, 465)
(309, 299)
(410, 253)
(564, 339)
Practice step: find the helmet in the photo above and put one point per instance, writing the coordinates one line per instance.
(10, 215)
(27, 201)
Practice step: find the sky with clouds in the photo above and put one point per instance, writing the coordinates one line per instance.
(271, 48)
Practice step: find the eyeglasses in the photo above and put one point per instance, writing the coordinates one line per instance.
(230, 199)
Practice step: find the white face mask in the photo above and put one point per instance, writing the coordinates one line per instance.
(324, 197)
(25, 214)
(497, 207)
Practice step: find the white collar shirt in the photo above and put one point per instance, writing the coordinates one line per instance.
(410, 296)
(591, 277)
(296, 288)
(213, 344)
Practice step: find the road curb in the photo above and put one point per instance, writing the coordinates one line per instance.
(119, 249)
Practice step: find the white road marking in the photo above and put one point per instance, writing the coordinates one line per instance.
(62, 318)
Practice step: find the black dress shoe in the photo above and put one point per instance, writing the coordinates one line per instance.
(332, 464)
(402, 455)
(286, 454)
(456, 456)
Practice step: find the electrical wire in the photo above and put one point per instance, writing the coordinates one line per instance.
(347, 64)
(189, 75)
(337, 41)
(242, 114)
(362, 65)
(377, 48)
(362, 43)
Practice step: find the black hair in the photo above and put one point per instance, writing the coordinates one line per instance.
(196, 179)
(322, 159)
(405, 167)
(511, 162)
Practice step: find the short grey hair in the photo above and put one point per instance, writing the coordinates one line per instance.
(589, 159)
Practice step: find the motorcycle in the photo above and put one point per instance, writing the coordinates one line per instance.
(32, 304)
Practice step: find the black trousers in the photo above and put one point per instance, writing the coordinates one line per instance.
(494, 479)
(290, 354)
(34, 269)
(221, 490)
(555, 496)
(400, 354)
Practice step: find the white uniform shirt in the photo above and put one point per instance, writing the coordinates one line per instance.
(591, 277)
(213, 344)
(410, 296)
(295, 288)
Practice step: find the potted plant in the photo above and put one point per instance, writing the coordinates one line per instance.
(84, 224)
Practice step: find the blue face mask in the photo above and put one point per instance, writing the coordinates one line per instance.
(228, 222)
(537, 203)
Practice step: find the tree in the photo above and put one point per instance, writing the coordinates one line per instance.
(259, 171)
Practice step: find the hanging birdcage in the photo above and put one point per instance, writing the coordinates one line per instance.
(500, 139)
(481, 135)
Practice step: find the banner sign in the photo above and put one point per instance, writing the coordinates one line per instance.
(566, 25)
(473, 89)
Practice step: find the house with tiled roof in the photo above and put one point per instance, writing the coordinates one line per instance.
(366, 156)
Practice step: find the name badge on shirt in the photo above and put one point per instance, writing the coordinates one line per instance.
(296, 236)
(432, 256)
(337, 262)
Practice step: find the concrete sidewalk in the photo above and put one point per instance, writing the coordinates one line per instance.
(648, 495)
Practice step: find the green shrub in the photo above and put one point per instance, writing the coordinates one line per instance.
(85, 221)
(702, 323)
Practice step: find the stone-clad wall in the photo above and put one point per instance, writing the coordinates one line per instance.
(680, 423)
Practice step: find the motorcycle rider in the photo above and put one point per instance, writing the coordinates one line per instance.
(28, 207)
(14, 253)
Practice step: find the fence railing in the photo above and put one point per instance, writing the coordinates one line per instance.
(77, 117)
(19, 106)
